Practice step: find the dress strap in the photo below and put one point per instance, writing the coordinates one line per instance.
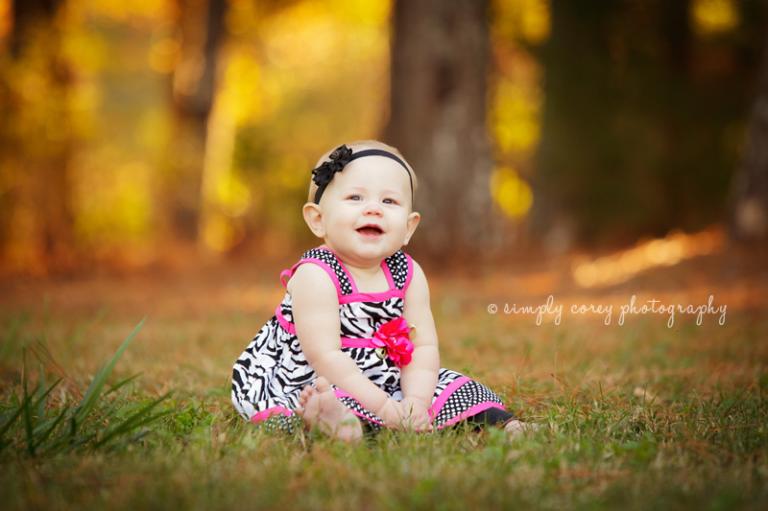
(328, 261)
(400, 268)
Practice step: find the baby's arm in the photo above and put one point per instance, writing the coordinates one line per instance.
(419, 378)
(316, 315)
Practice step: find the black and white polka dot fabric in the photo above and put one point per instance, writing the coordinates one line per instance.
(463, 399)
(398, 267)
(269, 375)
(330, 259)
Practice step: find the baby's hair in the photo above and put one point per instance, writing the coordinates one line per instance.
(356, 146)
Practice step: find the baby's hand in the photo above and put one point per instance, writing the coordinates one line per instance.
(393, 414)
(417, 415)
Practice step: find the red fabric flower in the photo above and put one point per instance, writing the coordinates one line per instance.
(393, 336)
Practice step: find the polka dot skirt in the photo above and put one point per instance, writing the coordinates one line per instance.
(466, 396)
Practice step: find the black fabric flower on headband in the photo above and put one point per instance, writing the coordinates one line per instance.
(323, 174)
(339, 158)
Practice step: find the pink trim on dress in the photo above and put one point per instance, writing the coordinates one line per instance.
(287, 326)
(286, 274)
(388, 274)
(269, 412)
(371, 297)
(357, 342)
(356, 295)
(438, 404)
(445, 394)
(346, 342)
(322, 264)
(474, 410)
(341, 393)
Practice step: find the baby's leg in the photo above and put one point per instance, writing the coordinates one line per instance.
(319, 407)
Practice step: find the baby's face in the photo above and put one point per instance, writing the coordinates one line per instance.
(366, 210)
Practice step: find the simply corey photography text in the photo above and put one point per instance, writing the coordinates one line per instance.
(610, 312)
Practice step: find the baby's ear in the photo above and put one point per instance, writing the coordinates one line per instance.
(413, 221)
(313, 216)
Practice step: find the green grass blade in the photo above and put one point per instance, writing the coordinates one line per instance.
(96, 386)
(27, 413)
(43, 437)
(39, 404)
(143, 422)
(121, 383)
(139, 433)
(132, 421)
(109, 410)
(7, 425)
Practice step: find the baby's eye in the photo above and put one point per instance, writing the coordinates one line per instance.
(354, 196)
(390, 201)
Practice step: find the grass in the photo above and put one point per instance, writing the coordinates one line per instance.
(638, 417)
(44, 427)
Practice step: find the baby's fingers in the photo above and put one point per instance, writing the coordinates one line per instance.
(423, 428)
(422, 425)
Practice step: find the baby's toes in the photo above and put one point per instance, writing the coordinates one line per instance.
(305, 394)
(311, 409)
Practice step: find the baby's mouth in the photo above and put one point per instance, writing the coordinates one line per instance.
(370, 230)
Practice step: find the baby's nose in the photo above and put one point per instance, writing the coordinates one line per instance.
(372, 207)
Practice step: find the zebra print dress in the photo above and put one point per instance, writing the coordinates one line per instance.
(269, 375)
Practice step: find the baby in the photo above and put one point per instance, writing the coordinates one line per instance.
(353, 344)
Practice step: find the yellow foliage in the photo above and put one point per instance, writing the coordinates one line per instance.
(114, 204)
(232, 196)
(120, 10)
(511, 193)
(163, 54)
(714, 16)
(220, 233)
(86, 49)
(240, 93)
(528, 20)
(516, 116)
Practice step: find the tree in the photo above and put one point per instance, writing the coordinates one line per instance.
(575, 123)
(749, 208)
(439, 65)
(37, 140)
(201, 29)
(635, 131)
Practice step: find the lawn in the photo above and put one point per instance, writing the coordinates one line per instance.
(636, 416)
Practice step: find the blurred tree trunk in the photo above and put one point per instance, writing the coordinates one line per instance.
(201, 29)
(439, 65)
(573, 169)
(37, 141)
(749, 209)
(631, 137)
(678, 102)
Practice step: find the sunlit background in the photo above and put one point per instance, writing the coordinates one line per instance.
(128, 134)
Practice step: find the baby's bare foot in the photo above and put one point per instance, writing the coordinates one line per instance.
(321, 408)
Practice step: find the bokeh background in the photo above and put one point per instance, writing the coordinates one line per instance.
(154, 158)
(162, 132)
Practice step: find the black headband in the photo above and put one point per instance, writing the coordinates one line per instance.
(339, 158)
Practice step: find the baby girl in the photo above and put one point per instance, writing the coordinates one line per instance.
(353, 344)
